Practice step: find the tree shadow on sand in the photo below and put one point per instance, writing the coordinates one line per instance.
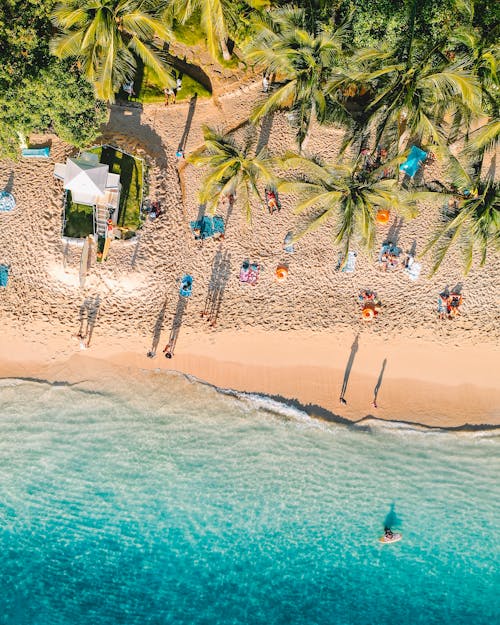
(221, 271)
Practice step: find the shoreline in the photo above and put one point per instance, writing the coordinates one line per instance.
(302, 370)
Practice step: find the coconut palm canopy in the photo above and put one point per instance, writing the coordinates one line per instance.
(475, 223)
(304, 61)
(345, 195)
(108, 37)
(216, 18)
(417, 88)
(232, 170)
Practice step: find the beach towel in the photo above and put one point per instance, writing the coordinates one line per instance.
(207, 227)
(244, 271)
(350, 265)
(218, 225)
(415, 159)
(7, 201)
(4, 275)
(35, 152)
(253, 274)
(249, 273)
(413, 269)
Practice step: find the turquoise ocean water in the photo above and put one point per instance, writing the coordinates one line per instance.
(162, 501)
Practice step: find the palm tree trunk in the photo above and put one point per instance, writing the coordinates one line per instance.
(307, 136)
(226, 55)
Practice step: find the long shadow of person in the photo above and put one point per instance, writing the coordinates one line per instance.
(176, 327)
(347, 373)
(92, 314)
(379, 383)
(189, 121)
(157, 330)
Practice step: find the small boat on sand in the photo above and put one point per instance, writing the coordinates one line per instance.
(393, 538)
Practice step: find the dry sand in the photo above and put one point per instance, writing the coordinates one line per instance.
(437, 372)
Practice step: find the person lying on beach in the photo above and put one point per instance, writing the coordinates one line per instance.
(454, 302)
(366, 294)
(443, 304)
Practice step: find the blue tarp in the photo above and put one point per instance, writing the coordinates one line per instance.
(4, 275)
(207, 226)
(412, 164)
(36, 152)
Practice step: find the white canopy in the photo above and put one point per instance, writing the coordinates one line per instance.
(87, 179)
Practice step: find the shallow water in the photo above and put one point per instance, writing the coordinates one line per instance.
(166, 502)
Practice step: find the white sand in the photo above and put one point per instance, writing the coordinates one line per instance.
(43, 300)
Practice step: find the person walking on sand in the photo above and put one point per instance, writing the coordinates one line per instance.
(167, 351)
(265, 83)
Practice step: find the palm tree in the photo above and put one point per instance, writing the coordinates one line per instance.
(285, 44)
(475, 224)
(108, 37)
(214, 18)
(416, 86)
(232, 170)
(346, 194)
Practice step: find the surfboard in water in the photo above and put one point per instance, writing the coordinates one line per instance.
(395, 538)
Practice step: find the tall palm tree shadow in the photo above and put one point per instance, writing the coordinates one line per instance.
(265, 132)
(347, 373)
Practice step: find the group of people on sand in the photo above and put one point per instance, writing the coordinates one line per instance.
(171, 93)
(449, 305)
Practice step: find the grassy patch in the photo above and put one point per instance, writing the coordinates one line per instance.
(151, 90)
(79, 219)
(131, 174)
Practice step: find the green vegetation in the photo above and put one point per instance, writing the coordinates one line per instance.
(107, 37)
(232, 170)
(79, 220)
(390, 72)
(131, 174)
(150, 89)
(37, 91)
(348, 194)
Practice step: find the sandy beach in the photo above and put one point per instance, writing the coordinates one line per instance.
(291, 340)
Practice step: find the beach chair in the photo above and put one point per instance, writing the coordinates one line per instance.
(415, 159)
(350, 265)
(7, 201)
(288, 245)
(4, 275)
(413, 269)
(35, 152)
(186, 285)
(207, 227)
